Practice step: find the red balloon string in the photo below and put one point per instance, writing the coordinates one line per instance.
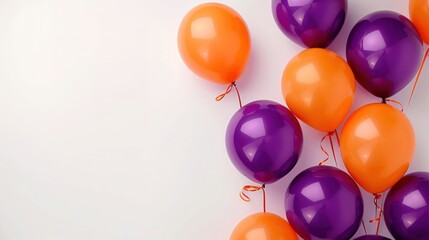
(250, 188)
(329, 134)
(378, 208)
(338, 139)
(228, 90)
(332, 149)
(418, 76)
(324, 150)
(394, 101)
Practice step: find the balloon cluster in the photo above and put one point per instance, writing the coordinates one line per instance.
(264, 139)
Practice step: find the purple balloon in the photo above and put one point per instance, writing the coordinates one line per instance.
(406, 210)
(372, 237)
(384, 51)
(310, 23)
(264, 141)
(324, 202)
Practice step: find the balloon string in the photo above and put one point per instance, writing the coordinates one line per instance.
(377, 197)
(228, 90)
(250, 188)
(338, 139)
(364, 228)
(238, 95)
(332, 149)
(418, 76)
(221, 96)
(329, 134)
(394, 101)
(324, 150)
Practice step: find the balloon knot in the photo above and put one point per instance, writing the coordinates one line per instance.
(396, 102)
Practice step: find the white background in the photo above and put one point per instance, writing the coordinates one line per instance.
(106, 134)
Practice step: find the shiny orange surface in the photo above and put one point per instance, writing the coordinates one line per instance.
(419, 14)
(214, 42)
(377, 145)
(319, 87)
(263, 226)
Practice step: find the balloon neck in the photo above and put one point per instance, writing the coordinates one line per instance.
(401, 107)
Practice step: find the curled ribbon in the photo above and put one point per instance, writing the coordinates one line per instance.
(418, 76)
(377, 197)
(329, 134)
(250, 188)
(228, 90)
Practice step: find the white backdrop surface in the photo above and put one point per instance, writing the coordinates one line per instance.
(105, 134)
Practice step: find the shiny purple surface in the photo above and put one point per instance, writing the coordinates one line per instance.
(384, 51)
(324, 202)
(310, 23)
(264, 141)
(372, 237)
(406, 209)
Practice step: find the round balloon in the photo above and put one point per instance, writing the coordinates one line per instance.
(406, 209)
(318, 87)
(214, 42)
(263, 226)
(264, 141)
(310, 23)
(324, 202)
(372, 237)
(419, 14)
(384, 50)
(377, 144)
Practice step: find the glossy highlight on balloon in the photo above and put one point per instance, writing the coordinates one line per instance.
(406, 209)
(419, 14)
(324, 202)
(264, 141)
(263, 226)
(310, 23)
(384, 50)
(319, 87)
(214, 42)
(377, 145)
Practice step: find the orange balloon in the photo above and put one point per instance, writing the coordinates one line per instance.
(419, 14)
(214, 42)
(377, 145)
(263, 226)
(319, 87)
